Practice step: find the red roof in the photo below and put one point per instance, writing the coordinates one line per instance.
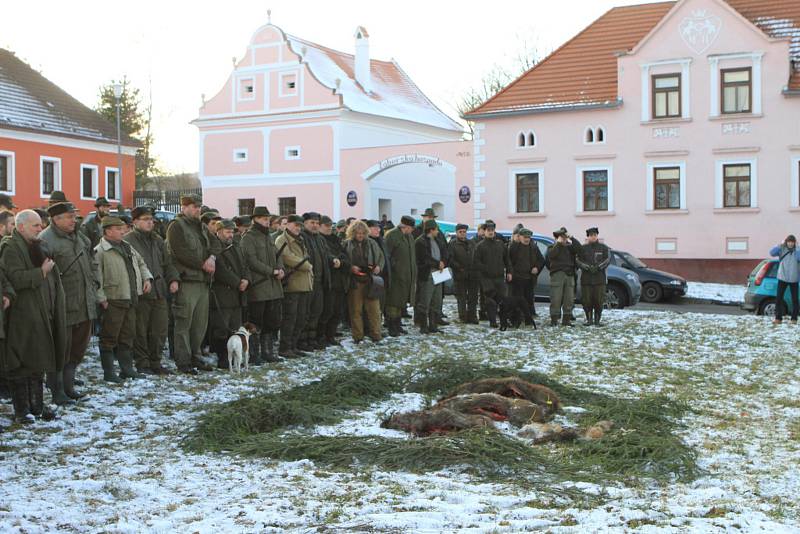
(583, 71)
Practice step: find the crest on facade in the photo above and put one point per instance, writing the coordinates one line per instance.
(700, 30)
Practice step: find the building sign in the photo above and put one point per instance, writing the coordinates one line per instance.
(352, 198)
(666, 133)
(410, 158)
(464, 194)
(736, 128)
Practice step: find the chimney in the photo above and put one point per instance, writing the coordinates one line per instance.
(362, 59)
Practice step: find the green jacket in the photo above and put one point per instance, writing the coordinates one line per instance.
(231, 270)
(491, 258)
(523, 259)
(403, 266)
(298, 269)
(462, 259)
(37, 315)
(260, 255)
(6, 291)
(365, 256)
(150, 245)
(73, 255)
(340, 277)
(113, 272)
(93, 231)
(188, 246)
(561, 258)
(593, 259)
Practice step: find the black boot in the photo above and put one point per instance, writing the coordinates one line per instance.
(36, 400)
(554, 320)
(394, 327)
(107, 361)
(69, 381)
(597, 314)
(126, 368)
(268, 348)
(440, 320)
(433, 323)
(589, 319)
(220, 348)
(55, 383)
(255, 350)
(21, 401)
(423, 323)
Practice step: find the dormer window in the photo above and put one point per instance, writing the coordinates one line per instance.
(240, 155)
(247, 88)
(292, 152)
(288, 84)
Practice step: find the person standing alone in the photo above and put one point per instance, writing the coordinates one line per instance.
(788, 276)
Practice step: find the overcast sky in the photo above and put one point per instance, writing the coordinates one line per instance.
(185, 47)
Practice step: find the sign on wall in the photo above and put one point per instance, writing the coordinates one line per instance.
(464, 194)
(352, 198)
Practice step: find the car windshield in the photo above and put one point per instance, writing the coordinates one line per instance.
(633, 261)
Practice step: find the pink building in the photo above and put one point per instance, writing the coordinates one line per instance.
(299, 127)
(674, 127)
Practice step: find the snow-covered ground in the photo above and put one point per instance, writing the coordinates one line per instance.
(114, 462)
(717, 292)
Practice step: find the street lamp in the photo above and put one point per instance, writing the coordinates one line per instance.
(117, 95)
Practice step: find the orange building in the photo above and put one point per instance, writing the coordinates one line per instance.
(50, 141)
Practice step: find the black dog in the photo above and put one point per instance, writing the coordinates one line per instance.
(512, 310)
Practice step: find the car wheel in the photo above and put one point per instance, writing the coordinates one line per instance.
(652, 292)
(615, 297)
(767, 307)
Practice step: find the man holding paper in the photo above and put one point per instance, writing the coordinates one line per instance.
(429, 294)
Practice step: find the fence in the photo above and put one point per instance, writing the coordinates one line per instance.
(164, 200)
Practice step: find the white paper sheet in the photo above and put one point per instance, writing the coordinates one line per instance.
(442, 276)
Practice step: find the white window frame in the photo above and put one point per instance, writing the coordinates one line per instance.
(719, 192)
(686, 89)
(95, 177)
(795, 185)
(237, 151)
(11, 166)
(245, 97)
(289, 157)
(579, 170)
(284, 91)
(651, 185)
(118, 184)
(715, 82)
(512, 189)
(56, 175)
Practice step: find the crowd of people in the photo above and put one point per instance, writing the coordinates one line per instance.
(297, 281)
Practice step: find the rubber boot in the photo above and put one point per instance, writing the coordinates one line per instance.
(597, 314)
(268, 348)
(220, 348)
(589, 318)
(36, 399)
(69, 381)
(423, 323)
(400, 328)
(566, 320)
(126, 368)
(554, 320)
(394, 327)
(433, 322)
(107, 361)
(255, 350)
(55, 383)
(21, 401)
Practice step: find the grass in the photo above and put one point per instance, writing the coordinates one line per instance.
(278, 426)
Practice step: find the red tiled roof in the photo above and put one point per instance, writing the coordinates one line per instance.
(583, 71)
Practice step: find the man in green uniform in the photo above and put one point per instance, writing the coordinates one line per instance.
(337, 288)
(593, 260)
(466, 276)
(491, 258)
(93, 229)
(401, 257)
(560, 261)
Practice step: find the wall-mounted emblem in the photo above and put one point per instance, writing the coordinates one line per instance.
(700, 30)
(352, 198)
(464, 194)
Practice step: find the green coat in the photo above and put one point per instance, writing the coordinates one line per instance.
(298, 269)
(403, 267)
(593, 260)
(79, 280)
(188, 246)
(150, 245)
(93, 231)
(260, 256)
(37, 318)
(230, 272)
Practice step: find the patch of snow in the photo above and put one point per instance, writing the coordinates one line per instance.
(718, 292)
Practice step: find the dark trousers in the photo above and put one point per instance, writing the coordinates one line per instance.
(332, 312)
(294, 306)
(780, 303)
(151, 331)
(593, 297)
(78, 336)
(524, 288)
(466, 290)
(266, 314)
(315, 305)
(119, 325)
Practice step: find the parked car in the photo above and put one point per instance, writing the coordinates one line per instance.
(656, 285)
(623, 290)
(162, 216)
(762, 289)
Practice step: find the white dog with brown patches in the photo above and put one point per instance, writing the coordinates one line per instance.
(239, 348)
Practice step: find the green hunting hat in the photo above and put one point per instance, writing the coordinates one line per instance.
(61, 207)
(429, 213)
(101, 201)
(260, 211)
(429, 225)
(524, 232)
(209, 216)
(56, 197)
(112, 221)
(141, 211)
(326, 220)
(294, 219)
(226, 224)
(188, 200)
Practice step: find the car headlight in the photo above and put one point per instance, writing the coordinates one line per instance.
(675, 283)
(632, 277)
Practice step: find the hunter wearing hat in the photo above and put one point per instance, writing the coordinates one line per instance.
(299, 282)
(265, 292)
(93, 228)
(561, 261)
(6, 203)
(312, 337)
(403, 265)
(527, 262)
(337, 288)
(466, 276)
(71, 251)
(429, 256)
(152, 309)
(189, 247)
(242, 223)
(123, 278)
(593, 260)
(491, 258)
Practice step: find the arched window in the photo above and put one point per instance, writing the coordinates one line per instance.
(531, 139)
(589, 135)
(521, 140)
(601, 135)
